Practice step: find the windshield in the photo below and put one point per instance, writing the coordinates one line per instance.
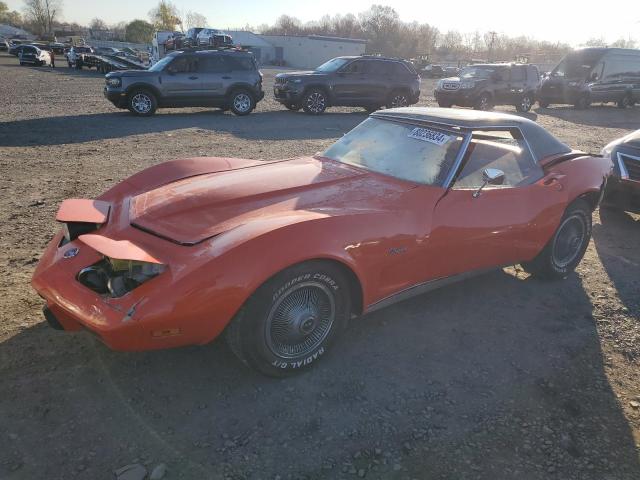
(408, 152)
(159, 65)
(477, 72)
(576, 64)
(332, 65)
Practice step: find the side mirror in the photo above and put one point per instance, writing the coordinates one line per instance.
(493, 176)
(490, 176)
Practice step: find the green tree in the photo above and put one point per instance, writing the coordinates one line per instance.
(139, 31)
(165, 16)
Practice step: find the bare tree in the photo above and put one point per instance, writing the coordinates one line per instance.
(42, 13)
(194, 20)
(98, 24)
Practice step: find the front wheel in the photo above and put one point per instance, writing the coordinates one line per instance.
(242, 102)
(142, 103)
(315, 102)
(483, 103)
(567, 246)
(625, 101)
(291, 321)
(524, 105)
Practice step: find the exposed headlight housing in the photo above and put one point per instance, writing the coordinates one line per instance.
(115, 278)
(114, 82)
(295, 80)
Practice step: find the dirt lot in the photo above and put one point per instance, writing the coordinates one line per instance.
(500, 377)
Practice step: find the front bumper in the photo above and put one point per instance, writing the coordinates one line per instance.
(463, 98)
(624, 194)
(286, 94)
(116, 96)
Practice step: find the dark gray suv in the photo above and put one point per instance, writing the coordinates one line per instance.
(227, 79)
(368, 81)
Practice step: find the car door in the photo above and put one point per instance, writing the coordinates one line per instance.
(501, 88)
(381, 76)
(181, 80)
(28, 54)
(477, 229)
(215, 72)
(597, 86)
(349, 83)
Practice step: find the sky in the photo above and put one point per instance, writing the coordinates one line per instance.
(567, 21)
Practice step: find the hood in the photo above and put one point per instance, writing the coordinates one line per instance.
(130, 73)
(191, 210)
(302, 73)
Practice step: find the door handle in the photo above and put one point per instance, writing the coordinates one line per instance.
(193, 78)
(554, 180)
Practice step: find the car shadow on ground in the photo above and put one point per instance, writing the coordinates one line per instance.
(497, 377)
(259, 125)
(597, 115)
(616, 239)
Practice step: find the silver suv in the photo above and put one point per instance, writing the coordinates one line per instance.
(227, 79)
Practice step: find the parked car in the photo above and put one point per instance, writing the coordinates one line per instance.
(191, 37)
(433, 71)
(76, 56)
(175, 41)
(211, 37)
(4, 45)
(482, 86)
(15, 46)
(175, 255)
(362, 81)
(32, 55)
(623, 188)
(451, 71)
(594, 75)
(228, 79)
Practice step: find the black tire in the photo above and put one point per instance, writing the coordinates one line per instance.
(241, 102)
(525, 103)
(142, 103)
(294, 107)
(397, 99)
(292, 319)
(543, 104)
(583, 103)
(567, 246)
(21, 63)
(371, 108)
(625, 101)
(444, 104)
(483, 103)
(70, 64)
(315, 102)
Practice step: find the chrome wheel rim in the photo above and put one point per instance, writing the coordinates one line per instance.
(568, 241)
(141, 103)
(399, 101)
(316, 102)
(526, 103)
(242, 102)
(300, 320)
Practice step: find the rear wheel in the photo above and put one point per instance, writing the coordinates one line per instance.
(292, 319)
(583, 102)
(315, 102)
(397, 99)
(524, 105)
(142, 103)
(625, 101)
(567, 246)
(242, 102)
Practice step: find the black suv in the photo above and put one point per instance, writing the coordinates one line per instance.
(225, 78)
(482, 86)
(363, 81)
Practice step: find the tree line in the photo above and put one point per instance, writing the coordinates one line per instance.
(380, 26)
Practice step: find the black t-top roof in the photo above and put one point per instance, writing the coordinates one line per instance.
(541, 142)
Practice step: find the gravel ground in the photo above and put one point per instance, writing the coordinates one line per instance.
(499, 377)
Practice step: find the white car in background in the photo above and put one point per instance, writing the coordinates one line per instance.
(33, 55)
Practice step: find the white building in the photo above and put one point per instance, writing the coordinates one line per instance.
(298, 51)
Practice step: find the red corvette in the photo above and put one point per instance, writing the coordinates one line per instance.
(279, 255)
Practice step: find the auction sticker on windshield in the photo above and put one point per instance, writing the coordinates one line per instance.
(428, 135)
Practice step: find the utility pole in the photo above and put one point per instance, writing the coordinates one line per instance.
(493, 36)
